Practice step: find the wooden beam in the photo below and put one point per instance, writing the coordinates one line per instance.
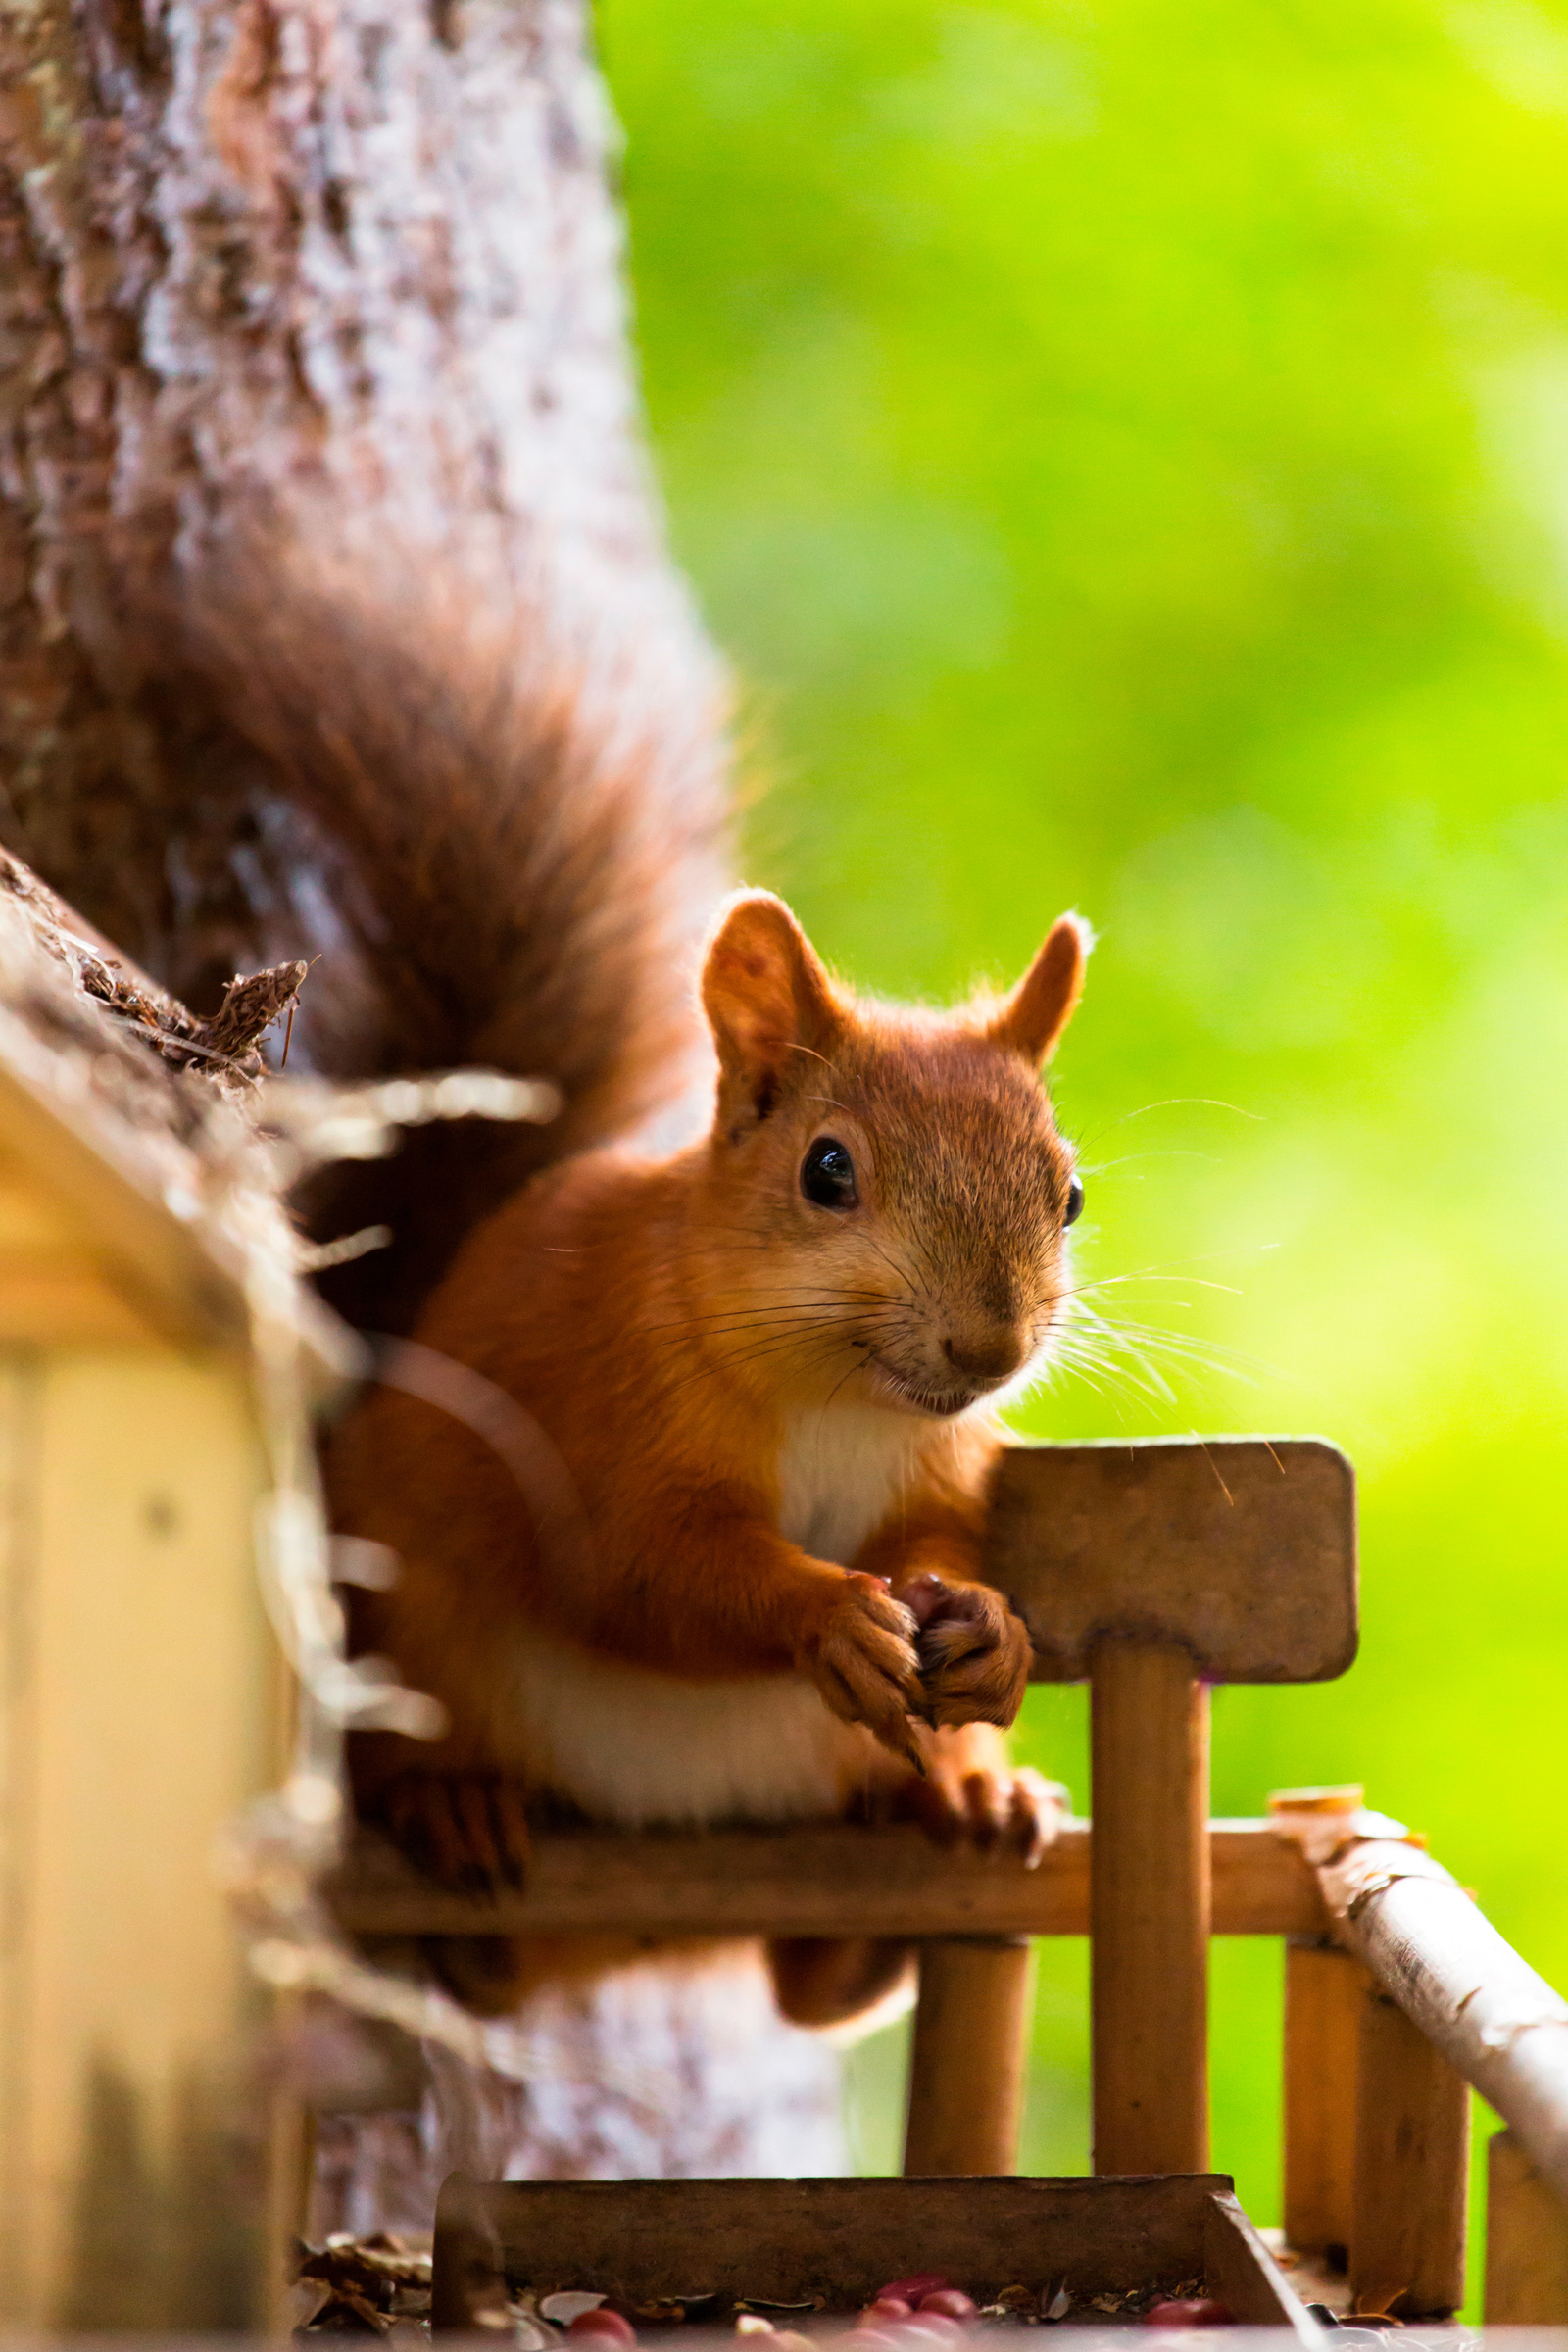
(810, 1880)
(966, 2069)
(1325, 1991)
(840, 2240)
(1527, 2243)
(1412, 2117)
(1149, 1910)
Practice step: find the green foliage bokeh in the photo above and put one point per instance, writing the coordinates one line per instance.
(1124, 452)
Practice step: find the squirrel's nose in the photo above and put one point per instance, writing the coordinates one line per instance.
(989, 1354)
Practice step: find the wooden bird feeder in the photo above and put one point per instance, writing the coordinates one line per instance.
(1151, 1571)
(143, 1696)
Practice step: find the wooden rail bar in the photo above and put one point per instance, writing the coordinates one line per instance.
(1495, 2020)
(808, 1881)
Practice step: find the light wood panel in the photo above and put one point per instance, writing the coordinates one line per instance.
(140, 1711)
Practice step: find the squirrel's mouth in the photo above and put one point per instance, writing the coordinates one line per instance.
(942, 1404)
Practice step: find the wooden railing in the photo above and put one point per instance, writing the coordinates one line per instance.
(1152, 1571)
(1398, 1993)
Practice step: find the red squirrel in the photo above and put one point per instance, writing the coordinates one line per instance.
(692, 1528)
(725, 1565)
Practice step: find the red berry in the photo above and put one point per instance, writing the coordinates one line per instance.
(886, 2307)
(949, 2303)
(909, 2290)
(1191, 2311)
(608, 2325)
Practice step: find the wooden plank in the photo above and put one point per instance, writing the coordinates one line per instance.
(1325, 1990)
(966, 2066)
(1412, 2117)
(1149, 1910)
(1239, 2269)
(791, 2240)
(1243, 1549)
(812, 1880)
(138, 1714)
(1527, 2241)
(175, 1266)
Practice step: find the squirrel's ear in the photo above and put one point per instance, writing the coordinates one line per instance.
(767, 995)
(1042, 1004)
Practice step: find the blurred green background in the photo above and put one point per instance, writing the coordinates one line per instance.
(1124, 452)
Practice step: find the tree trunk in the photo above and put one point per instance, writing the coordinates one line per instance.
(352, 257)
(352, 264)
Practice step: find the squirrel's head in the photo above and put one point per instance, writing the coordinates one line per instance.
(896, 1193)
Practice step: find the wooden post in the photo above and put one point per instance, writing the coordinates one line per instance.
(1325, 1991)
(971, 2027)
(1150, 1909)
(1407, 2234)
(1527, 2243)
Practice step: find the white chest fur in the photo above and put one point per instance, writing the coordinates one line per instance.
(839, 1473)
(635, 1746)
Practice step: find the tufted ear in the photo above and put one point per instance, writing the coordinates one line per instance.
(1040, 1007)
(767, 998)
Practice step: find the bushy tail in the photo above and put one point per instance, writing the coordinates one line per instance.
(517, 843)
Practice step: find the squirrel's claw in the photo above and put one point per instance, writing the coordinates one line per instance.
(467, 1830)
(975, 1656)
(866, 1667)
(996, 1811)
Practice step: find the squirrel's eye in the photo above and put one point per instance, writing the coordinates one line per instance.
(1075, 1201)
(827, 1175)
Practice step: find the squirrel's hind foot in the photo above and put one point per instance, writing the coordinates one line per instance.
(993, 1808)
(466, 1830)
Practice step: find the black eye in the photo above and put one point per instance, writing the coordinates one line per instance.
(1075, 1201)
(827, 1175)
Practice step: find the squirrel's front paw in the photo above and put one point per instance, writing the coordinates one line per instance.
(466, 1830)
(864, 1662)
(974, 1653)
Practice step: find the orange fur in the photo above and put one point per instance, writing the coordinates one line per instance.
(679, 1421)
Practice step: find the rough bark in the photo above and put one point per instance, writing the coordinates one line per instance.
(351, 267)
(354, 259)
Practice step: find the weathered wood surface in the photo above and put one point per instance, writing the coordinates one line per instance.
(967, 2057)
(140, 1710)
(1325, 1991)
(1150, 1909)
(1412, 2142)
(1527, 2243)
(790, 2240)
(808, 1881)
(1241, 1549)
